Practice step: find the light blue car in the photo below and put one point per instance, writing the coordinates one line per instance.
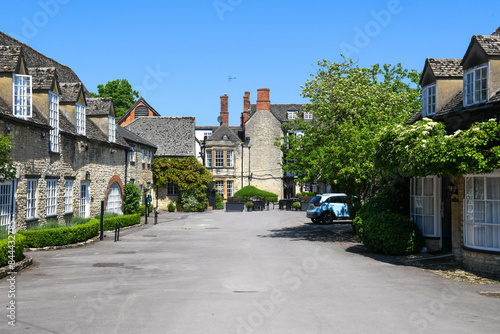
(328, 207)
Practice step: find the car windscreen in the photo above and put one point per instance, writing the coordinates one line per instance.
(337, 199)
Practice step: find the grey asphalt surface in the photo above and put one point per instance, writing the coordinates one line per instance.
(259, 272)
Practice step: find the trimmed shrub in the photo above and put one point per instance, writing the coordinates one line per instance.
(296, 205)
(189, 203)
(62, 235)
(106, 215)
(3, 233)
(127, 220)
(219, 203)
(131, 197)
(142, 209)
(171, 207)
(251, 191)
(18, 243)
(392, 234)
(47, 225)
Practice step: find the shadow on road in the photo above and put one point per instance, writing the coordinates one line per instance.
(310, 232)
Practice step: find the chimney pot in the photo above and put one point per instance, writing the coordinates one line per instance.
(224, 110)
(263, 102)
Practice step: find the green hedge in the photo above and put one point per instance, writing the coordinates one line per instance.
(251, 191)
(142, 209)
(18, 249)
(127, 220)
(61, 236)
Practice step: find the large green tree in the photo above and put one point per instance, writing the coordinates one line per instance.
(351, 107)
(122, 93)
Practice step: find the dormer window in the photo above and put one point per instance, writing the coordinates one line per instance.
(308, 115)
(111, 129)
(54, 121)
(476, 85)
(292, 114)
(80, 119)
(22, 99)
(429, 100)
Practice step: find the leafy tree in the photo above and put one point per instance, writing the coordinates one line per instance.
(131, 197)
(424, 148)
(122, 93)
(190, 177)
(351, 107)
(7, 170)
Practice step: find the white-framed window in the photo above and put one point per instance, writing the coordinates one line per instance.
(171, 189)
(143, 156)
(429, 100)
(425, 204)
(111, 129)
(476, 85)
(68, 196)
(5, 203)
(114, 200)
(291, 114)
(80, 119)
(482, 212)
(219, 185)
(54, 121)
(132, 154)
(84, 200)
(209, 158)
(219, 158)
(51, 197)
(230, 158)
(308, 115)
(230, 188)
(22, 95)
(206, 135)
(31, 198)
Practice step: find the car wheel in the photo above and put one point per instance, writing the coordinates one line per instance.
(327, 217)
(315, 220)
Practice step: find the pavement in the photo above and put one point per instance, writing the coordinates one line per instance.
(239, 272)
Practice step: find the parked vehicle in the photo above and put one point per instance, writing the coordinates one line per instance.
(327, 207)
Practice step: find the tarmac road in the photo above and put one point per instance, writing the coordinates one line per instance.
(218, 272)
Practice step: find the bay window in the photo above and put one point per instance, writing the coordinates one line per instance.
(425, 204)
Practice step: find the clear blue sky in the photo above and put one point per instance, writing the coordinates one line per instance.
(179, 54)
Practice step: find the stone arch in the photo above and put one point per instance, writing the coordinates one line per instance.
(114, 179)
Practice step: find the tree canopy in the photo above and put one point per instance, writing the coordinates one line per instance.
(122, 93)
(7, 170)
(351, 108)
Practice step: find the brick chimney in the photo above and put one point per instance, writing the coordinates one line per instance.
(246, 107)
(263, 102)
(224, 110)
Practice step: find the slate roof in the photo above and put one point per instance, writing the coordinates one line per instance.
(490, 44)
(132, 137)
(445, 67)
(174, 136)
(9, 56)
(496, 32)
(279, 111)
(99, 106)
(69, 92)
(224, 131)
(141, 99)
(42, 77)
(34, 58)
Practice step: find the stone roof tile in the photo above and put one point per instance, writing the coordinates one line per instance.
(132, 137)
(279, 110)
(9, 56)
(99, 106)
(42, 77)
(490, 44)
(69, 92)
(445, 67)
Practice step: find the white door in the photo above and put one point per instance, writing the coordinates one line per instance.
(84, 200)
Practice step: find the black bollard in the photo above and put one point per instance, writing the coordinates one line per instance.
(102, 221)
(156, 217)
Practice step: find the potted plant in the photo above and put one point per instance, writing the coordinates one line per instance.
(235, 204)
(249, 206)
(297, 205)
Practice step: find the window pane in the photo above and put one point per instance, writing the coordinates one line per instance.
(428, 205)
(428, 187)
(428, 225)
(479, 212)
(479, 188)
(493, 188)
(418, 186)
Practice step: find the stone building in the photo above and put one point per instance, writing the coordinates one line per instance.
(253, 157)
(462, 214)
(140, 109)
(174, 138)
(68, 153)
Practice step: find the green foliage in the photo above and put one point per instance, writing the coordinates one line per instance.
(142, 209)
(107, 214)
(251, 191)
(296, 205)
(126, 220)
(47, 225)
(62, 235)
(17, 241)
(3, 233)
(249, 204)
(131, 197)
(76, 220)
(351, 107)
(171, 207)
(122, 93)
(424, 148)
(392, 234)
(7, 170)
(190, 177)
(234, 199)
(219, 203)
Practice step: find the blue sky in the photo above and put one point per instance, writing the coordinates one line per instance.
(179, 54)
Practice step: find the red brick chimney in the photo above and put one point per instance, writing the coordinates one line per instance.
(246, 107)
(224, 110)
(263, 102)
